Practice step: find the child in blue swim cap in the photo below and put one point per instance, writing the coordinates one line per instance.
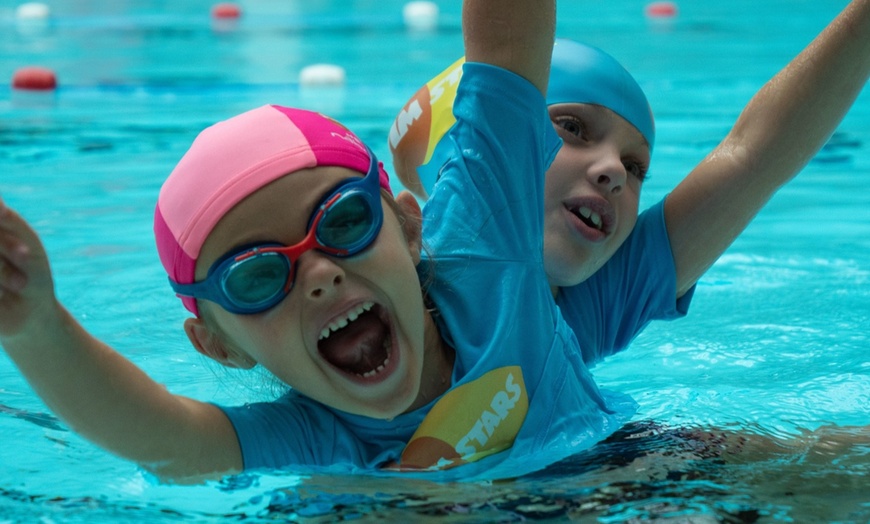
(611, 270)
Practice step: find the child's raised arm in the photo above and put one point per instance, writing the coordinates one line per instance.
(516, 35)
(779, 131)
(99, 393)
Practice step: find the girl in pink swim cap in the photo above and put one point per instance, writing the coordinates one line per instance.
(267, 209)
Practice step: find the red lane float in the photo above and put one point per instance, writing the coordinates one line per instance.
(34, 78)
(661, 10)
(226, 10)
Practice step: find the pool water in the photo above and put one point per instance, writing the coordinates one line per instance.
(775, 344)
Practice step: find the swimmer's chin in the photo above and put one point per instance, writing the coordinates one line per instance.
(396, 410)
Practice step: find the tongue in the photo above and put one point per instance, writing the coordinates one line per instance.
(358, 347)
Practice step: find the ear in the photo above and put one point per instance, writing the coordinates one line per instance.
(412, 225)
(209, 343)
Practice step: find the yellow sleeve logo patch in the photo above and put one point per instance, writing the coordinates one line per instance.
(470, 422)
(422, 123)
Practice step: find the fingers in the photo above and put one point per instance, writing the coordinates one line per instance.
(27, 299)
(12, 278)
(14, 251)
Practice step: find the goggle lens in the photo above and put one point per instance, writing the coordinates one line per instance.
(347, 224)
(257, 280)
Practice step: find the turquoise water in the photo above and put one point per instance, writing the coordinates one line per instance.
(776, 341)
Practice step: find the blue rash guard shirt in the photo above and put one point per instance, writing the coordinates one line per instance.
(638, 284)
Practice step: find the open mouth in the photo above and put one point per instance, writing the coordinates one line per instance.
(589, 217)
(359, 343)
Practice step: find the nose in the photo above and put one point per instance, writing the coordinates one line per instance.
(318, 275)
(608, 171)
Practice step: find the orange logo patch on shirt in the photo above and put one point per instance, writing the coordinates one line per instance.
(423, 121)
(470, 422)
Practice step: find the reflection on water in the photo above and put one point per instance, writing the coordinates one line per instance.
(644, 473)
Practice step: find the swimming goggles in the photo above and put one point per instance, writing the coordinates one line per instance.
(255, 278)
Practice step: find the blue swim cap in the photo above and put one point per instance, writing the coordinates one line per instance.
(583, 74)
(579, 74)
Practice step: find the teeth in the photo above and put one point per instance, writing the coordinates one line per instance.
(591, 216)
(387, 345)
(343, 322)
(374, 372)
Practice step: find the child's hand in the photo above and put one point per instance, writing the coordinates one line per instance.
(26, 287)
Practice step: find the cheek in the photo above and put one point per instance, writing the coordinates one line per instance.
(568, 169)
(247, 340)
(396, 272)
(630, 200)
(627, 221)
(391, 255)
(268, 337)
(392, 266)
(558, 183)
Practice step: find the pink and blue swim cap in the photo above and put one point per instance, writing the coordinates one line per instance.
(234, 158)
(579, 74)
